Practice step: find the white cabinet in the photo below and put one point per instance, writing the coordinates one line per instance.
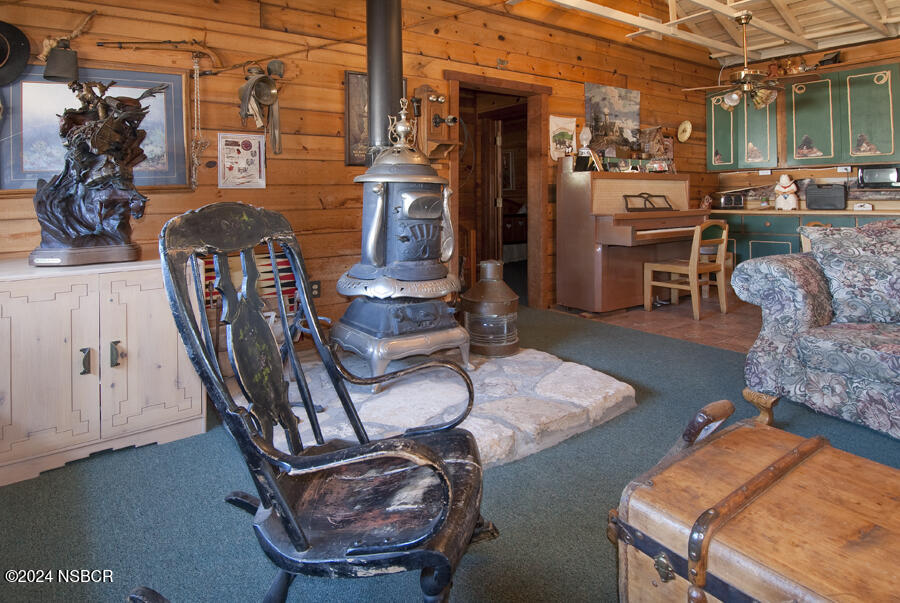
(89, 360)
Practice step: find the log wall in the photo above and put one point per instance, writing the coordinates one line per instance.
(319, 41)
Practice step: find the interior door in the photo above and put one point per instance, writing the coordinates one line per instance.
(492, 190)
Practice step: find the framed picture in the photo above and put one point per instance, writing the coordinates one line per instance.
(356, 117)
(242, 160)
(508, 168)
(31, 145)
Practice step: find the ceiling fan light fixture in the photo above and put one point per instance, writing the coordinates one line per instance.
(733, 98)
(763, 97)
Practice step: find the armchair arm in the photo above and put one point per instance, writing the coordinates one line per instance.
(791, 290)
(403, 448)
(431, 364)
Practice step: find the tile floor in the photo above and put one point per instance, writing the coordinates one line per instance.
(736, 330)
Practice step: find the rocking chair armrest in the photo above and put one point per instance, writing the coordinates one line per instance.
(400, 447)
(431, 364)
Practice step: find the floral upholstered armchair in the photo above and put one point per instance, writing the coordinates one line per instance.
(830, 337)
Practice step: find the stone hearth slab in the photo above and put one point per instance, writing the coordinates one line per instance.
(523, 403)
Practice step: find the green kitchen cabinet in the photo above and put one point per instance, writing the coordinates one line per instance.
(741, 138)
(838, 221)
(722, 129)
(871, 115)
(753, 235)
(849, 116)
(761, 234)
(813, 133)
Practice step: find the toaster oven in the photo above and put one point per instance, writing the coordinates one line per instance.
(878, 176)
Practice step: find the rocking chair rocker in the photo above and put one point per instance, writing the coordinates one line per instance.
(333, 508)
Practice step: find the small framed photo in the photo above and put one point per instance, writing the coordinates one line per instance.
(242, 160)
(356, 118)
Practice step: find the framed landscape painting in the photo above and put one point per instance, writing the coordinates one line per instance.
(31, 145)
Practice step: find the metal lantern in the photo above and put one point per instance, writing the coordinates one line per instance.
(489, 313)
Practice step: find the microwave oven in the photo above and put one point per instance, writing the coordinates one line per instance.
(879, 176)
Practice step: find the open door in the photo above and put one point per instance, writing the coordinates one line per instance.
(490, 229)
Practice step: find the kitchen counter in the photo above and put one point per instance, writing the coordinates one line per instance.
(803, 212)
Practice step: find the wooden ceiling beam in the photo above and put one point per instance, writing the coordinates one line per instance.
(690, 17)
(731, 28)
(685, 20)
(854, 12)
(789, 36)
(641, 23)
(882, 9)
(788, 16)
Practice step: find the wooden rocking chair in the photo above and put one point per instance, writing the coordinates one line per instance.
(332, 508)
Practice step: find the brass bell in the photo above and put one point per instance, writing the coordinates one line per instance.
(62, 63)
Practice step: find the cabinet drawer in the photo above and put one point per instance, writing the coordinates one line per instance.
(772, 245)
(836, 221)
(771, 224)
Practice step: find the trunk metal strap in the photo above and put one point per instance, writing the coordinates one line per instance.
(716, 517)
(715, 586)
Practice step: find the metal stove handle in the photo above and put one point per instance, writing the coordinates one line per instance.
(447, 236)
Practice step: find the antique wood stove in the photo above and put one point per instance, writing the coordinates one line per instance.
(406, 231)
(400, 278)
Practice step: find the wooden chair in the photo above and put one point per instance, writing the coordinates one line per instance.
(331, 507)
(804, 241)
(692, 274)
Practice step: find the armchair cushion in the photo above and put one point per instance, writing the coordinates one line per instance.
(868, 351)
(862, 267)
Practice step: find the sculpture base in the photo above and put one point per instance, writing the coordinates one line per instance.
(75, 256)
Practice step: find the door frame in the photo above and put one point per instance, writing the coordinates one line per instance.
(540, 242)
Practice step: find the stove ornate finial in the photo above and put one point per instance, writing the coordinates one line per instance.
(402, 132)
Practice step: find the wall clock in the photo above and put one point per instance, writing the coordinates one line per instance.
(684, 131)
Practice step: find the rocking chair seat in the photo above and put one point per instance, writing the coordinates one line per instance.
(345, 508)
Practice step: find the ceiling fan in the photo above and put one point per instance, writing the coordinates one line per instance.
(760, 87)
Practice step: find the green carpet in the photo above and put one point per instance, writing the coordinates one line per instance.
(154, 516)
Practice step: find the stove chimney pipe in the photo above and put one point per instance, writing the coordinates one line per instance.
(384, 45)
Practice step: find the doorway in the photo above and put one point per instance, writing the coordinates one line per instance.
(496, 203)
(502, 190)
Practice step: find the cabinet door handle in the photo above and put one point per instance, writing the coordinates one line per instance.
(85, 361)
(114, 353)
(768, 224)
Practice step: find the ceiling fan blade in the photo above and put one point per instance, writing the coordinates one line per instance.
(771, 85)
(795, 78)
(706, 88)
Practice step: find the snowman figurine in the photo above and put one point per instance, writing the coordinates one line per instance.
(786, 193)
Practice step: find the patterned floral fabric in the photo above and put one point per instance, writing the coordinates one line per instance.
(875, 404)
(869, 351)
(847, 370)
(862, 266)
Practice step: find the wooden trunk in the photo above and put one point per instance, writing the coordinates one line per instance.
(827, 528)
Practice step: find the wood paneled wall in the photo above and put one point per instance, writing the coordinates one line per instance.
(319, 41)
